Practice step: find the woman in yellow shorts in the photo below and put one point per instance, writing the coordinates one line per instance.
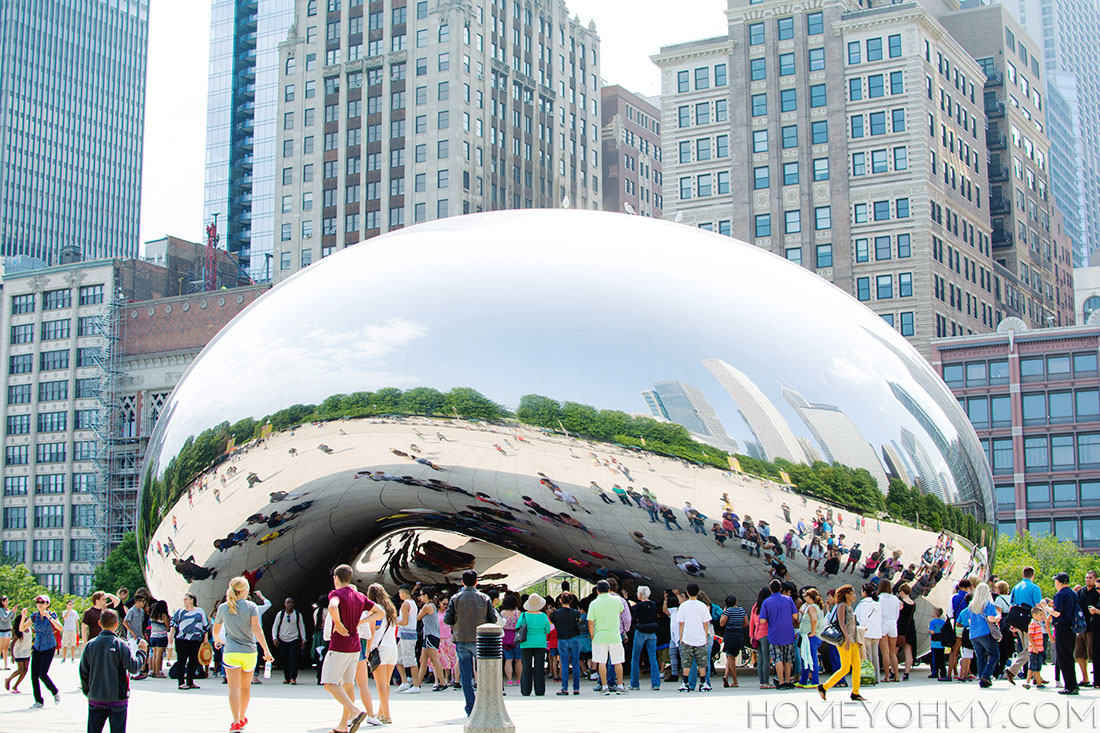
(240, 620)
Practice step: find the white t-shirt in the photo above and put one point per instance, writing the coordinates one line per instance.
(383, 636)
(408, 629)
(674, 624)
(695, 617)
(70, 616)
(869, 618)
(890, 606)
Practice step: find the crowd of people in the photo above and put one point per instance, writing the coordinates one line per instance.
(848, 636)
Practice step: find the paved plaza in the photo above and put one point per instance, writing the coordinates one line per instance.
(918, 704)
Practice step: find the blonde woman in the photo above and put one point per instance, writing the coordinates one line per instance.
(384, 639)
(240, 619)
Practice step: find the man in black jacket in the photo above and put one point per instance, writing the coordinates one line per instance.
(105, 671)
(468, 609)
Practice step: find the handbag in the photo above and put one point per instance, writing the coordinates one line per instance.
(521, 631)
(832, 633)
(374, 660)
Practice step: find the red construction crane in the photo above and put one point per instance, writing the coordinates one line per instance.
(210, 268)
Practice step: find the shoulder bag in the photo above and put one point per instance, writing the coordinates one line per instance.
(521, 631)
(832, 633)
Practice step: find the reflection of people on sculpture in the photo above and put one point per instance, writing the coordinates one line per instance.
(572, 522)
(720, 535)
(689, 565)
(499, 449)
(670, 518)
(232, 539)
(569, 499)
(192, 571)
(426, 462)
(643, 543)
(293, 452)
(442, 438)
(651, 509)
(598, 490)
(273, 535)
(253, 479)
(414, 447)
(324, 449)
(277, 496)
(621, 493)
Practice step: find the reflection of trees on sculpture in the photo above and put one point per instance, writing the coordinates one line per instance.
(849, 488)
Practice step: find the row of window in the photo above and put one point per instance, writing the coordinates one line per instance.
(788, 100)
(874, 49)
(49, 483)
(53, 422)
(1044, 453)
(819, 135)
(875, 86)
(50, 517)
(1043, 408)
(19, 455)
(54, 330)
(885, 248)
(702, 77)
(784, 29)
(874, 123)
(1046, 495)
(80, 550)
(884, 287)
(1032, 368)
(20, 394)
(823, 255)
(702, 113)
(51, 360)
(55, 299)
(792, 221)
(704, 148)
(761, 175)
(881, 211)
(758, 67)
(905, 322)
(704, 184)
(882, 160)
(1084, 532)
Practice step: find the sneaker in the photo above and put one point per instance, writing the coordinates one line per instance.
(412, 691)
(235, 727)
(607, 691)
(632, 688)
(704, 687)
(684, 687)
(371, 720)
(562, 693)
(599, 688)
(37, 706)
(57, 698)
(404, 686)
(619, 689)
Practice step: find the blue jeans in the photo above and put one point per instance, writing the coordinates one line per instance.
(815, 644)
(986, 655)
(569, 650)
(466, 651)
(100, 716)
(643, 640)
(652, 515)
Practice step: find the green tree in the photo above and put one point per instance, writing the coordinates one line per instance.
(1047, 554)
(121, 569)
(21, 587)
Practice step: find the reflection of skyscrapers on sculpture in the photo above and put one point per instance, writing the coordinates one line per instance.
(771, 431)
(809, 449)
(838, 437)
(927, 474)
(895, 464)
(685, 405)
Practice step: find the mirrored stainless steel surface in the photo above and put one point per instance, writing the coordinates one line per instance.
(425, 351)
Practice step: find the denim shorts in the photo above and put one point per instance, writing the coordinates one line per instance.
(1035, 661)
(511, 651)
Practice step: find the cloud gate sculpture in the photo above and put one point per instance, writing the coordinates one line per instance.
(510, 391)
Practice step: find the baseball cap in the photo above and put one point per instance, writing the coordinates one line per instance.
(1062, 578)
(44, 598)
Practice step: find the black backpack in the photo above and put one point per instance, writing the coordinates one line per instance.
(947, 634)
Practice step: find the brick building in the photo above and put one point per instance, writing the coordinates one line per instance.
(1033, 397)
(631, 147)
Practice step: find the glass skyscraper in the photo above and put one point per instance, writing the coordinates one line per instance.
(72, 117)
(242, 106)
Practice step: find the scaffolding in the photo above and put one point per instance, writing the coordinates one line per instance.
(107, 528)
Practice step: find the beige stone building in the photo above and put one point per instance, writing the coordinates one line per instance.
(398, 112)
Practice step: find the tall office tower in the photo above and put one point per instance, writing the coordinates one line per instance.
(684, 405)
(631, 152)
(863, 149)
(1026, 240)
(393, 113)
(241, 126)
(838, 437)
(1067, 179)
(72, 120)
(768, 427)
(1069, 31)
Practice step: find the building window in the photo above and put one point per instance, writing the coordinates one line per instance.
(759, 145)
(823, 218)
(816, 59)
(759, 105)
(1036, 455)
(785, 28)
(685, 188)
(786, 64)
(54, 299)
(790, 173)
(902, 206)
(756, 34)
(881, 210)
(821, 169)
(22, 304)
(907, 328)
(762, 226)
(792, 222)
(884, 287)
(815, 24)
(789, 136)
(702, 78)
(794, 254)
(857, 126)
(905, 285)
(49, 517)
(862, 250)
(854, 52)
(876, 86)
(824, 253)
(863, 288)
(855, 89)
(720, 75)
(788, 100)
(760, 177)
(819, 132)
(894, 42)
(758, 69)
(817, 95)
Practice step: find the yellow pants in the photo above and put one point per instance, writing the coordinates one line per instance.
(849, 662)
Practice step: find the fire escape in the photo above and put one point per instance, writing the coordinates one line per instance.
(113, 516)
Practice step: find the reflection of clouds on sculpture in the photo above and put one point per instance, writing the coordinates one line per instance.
(520, 303)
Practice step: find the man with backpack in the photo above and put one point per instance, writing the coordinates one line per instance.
(288, 634)
(1065, 613)
(105, 667)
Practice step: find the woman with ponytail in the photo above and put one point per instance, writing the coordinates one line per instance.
(240, 619)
